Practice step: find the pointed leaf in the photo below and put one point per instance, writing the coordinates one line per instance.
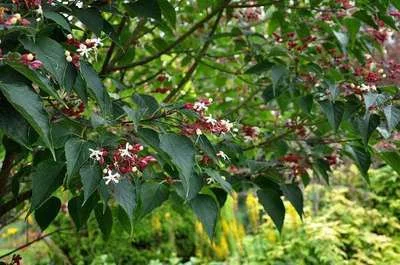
(206, 209)
(333, 111)
(125, 195)
(181, 151)
(273, 205)
(293, 193)
(29, 105)
(104, 220)
(392, 115)
(152, 195)
(361, 157)
(46, 213)
(95, 87)
(76, 154)
(47, 177)
(91, 177)
(366, 126)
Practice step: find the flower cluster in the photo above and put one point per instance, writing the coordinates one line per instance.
(297, 127)
(81, 49)
(250, 133)
(251, 14)
(14, 20)
(205, 123)
(124, 160)
(295, 163)
(29, 60)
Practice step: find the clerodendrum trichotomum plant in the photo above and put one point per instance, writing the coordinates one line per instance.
(114, 107)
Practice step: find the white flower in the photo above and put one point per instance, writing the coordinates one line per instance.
(79, 4)
(39, 10)
(200, 106)
(210, 119)
(95, 154)
(84, 50)
(110, 177)
(126, 151)
(198, 131)
(227, 124)
(210, 181)
(223, 155)
(97, 42)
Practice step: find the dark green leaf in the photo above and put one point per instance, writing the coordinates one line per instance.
(219, 179)
(95, 87)
(104, 219)
(361, 157)
(145, 8)
(181, 151)
(273, 205)
(46, 213)
(125, 195)
(152, 195)
(168, 11)
(80, 214)
(76, 154)
(91, 176)
(47, 177)
(366, 126)
(29, 105)
(294, 194)
(59, 19)
(206, 209)
(333, 111)
(260, 67)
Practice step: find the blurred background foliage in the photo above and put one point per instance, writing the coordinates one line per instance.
(348, 223)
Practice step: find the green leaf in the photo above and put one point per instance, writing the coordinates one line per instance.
(168, 11)
(134, 115)
(125, 195)
(277, 74)
(59, 19)
(14, 125)
(152, 195)
(37, 79)
(76, 154)
(96, 87)
(47, 177)
(145, 8)
(333, 111)
(273, 205)
(260, 67)
(366, 18)
(206, 209)
(321, 168)
(392, 159)
(91, 176)
(361, 157)
(29, 105)
(104, 220)
(306, 103)
(147, 104)
(80, 214)
(46, 213)
(353, 27)
(366, 126)
(392, 115)
(293, 193)
(52, 55)
(181, 151)
(218, 178)
(91, 18)
(207, 147)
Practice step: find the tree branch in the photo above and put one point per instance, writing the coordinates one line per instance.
(112, 47)
(198, 58)
(11, 204)
(5, 171)
(33, 241)
(173, 45)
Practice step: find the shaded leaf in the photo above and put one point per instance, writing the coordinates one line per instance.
(273, 205)
(206, 209)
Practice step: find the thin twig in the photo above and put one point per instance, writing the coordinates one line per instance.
(33, 241)
(173, 45)
(198, 58)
